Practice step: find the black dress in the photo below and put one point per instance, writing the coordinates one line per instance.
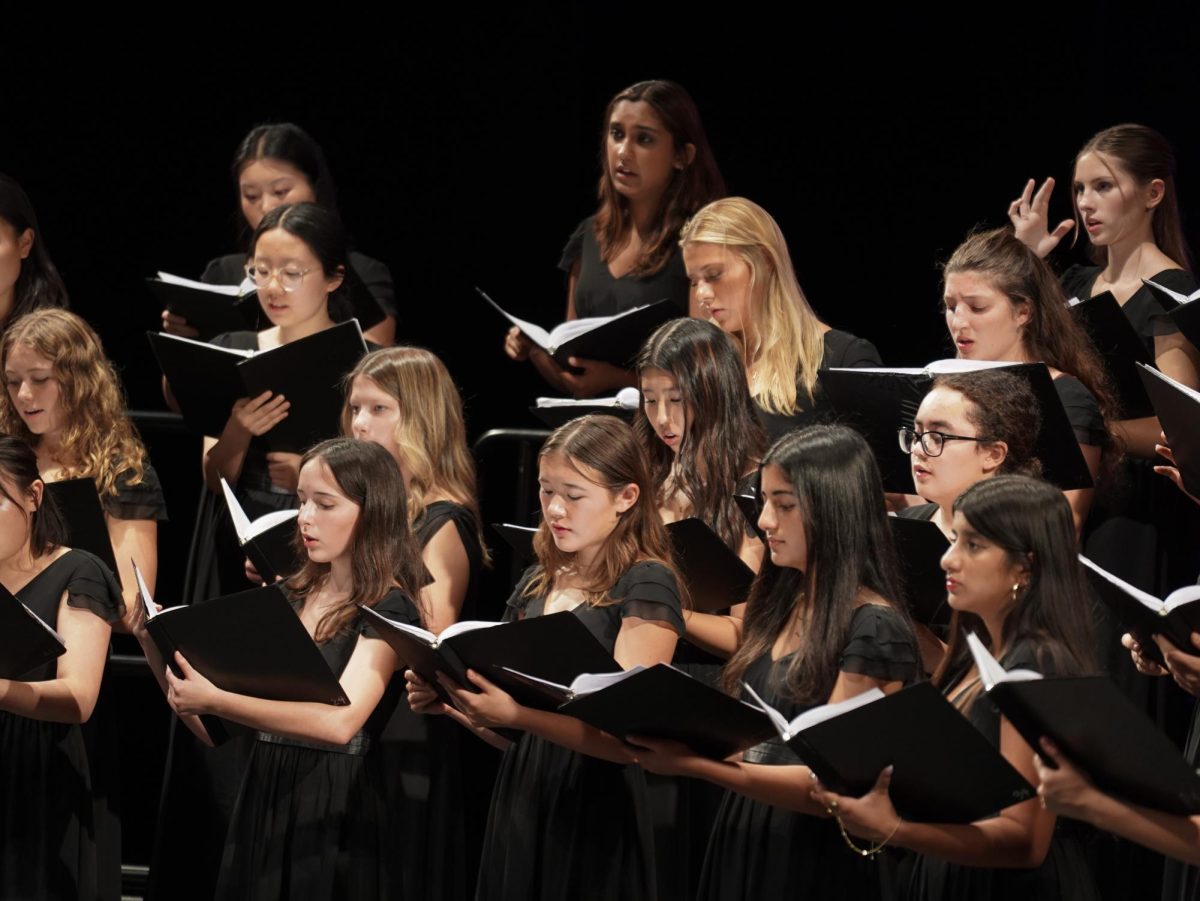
(370, 287)
(434, 772)
(564, 826)
(761, 851)
(48, 840)
(310, 819)
(1065, 874)
(597, 293)
(842, 351)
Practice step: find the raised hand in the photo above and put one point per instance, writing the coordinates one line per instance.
(1029, 215)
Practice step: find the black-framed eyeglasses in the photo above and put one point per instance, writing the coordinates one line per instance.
(932, 443)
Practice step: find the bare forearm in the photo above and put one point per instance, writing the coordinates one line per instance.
(998, 842)
(53, 701)
(158, 668)
(225, 458)
(1139, 436)
(573, 734)
(1175, 836)
(782, 786)
(314, 722)
(716, 634)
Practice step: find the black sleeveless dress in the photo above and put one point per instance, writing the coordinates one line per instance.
(564, 826)
(48, 840)
(760, 851)
(310, 819)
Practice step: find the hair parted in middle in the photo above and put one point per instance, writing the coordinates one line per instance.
(782, 342)
(1031, 520)
(99, 441)
(431, 434)
(605, 451)
(839, 493)
(321, 231)
(724, 439)
(384, 552)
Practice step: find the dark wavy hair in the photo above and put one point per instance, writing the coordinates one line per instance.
(18, 466)
(384, 552)
(839, 493)
(1145, 155)
(39, 285)
(698, 183)
(607, 446)
(724, 439)
(1002, 407)
(1031, 520)
(322, 231)
(1052, 335)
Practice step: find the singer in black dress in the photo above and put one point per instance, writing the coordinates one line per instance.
(658, 170)
(568, 818)
(48, 842)
(820, 626)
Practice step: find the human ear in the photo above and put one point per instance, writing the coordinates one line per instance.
(25, 243)
(33, 498)
(685, 157)
(994, 454)
(1155, 192)
(1022, 311)
(335, 282)
(627, 497)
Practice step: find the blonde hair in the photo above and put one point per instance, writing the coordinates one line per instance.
(99, 442)
(782, 341)
(431, 435)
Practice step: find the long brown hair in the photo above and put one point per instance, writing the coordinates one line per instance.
(839, 493)
(18, 464)
(1051, 335)
(431, 434)
(1145, 155)
(99, 441)
(604, 450)
(698, 183)
(724, 439)
(384, 552)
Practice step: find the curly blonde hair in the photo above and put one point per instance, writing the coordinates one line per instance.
(99, 442)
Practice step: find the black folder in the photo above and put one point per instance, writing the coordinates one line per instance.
(26, 641)
(210, 312)
(557, 648)
(920, 546)
(945, 771)
(879, 402)
(662, 702)
(251, 643)
(1178, 410)
(83, 516)
(616, 341)
(1112, 741)
(716, 578)
(519, 538)
(1120, 348)
(1181, 310)
(1143, 615)
(206, 380)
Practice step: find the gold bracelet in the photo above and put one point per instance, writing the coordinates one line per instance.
(874, 849)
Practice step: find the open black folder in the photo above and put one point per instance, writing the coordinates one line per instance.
(83, 516)
(658, 702)
(206, 380)
(26, 641)
(251, 643)
(1098, 729)
(1182, 309)
(609, 339)
(879, 402)
(269, 541)
(1119, 347)
(1143, 615)
(557, 647)
(210, 309)
(1178, 409)
(944, 770)
(715, 577)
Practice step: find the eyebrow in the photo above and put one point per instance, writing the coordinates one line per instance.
(781, 492)
(9, 372)
(936, 425)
